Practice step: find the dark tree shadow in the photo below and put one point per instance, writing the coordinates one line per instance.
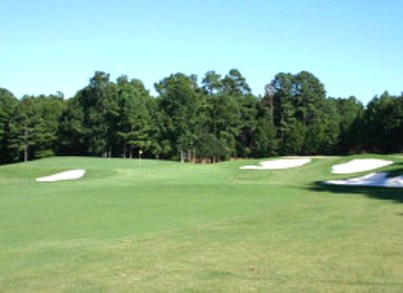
(382, 193)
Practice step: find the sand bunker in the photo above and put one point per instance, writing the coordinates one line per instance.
(373, 179)
(278, 164)
(359, 165)
(67, 175)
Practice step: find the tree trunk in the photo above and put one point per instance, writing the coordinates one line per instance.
(26, 145)
(182, 156)
(26, 153)
(188, 156)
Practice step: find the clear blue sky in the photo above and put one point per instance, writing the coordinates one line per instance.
(354, 47)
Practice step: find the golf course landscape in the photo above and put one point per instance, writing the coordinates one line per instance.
(162, 226)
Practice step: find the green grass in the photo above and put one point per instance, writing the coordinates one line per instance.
(170, 227)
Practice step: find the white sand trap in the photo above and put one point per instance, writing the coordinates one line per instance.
(373, 179)
(278, 164)
(359, 165)
(67, 175)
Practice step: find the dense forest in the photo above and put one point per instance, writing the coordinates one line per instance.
(216, 119)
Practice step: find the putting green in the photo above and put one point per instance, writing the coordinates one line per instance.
(171, 227)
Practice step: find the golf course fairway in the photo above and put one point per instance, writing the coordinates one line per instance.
(168, 227)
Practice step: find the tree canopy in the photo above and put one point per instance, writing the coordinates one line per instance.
(216, 119)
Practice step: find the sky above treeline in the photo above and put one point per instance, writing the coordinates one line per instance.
(353, 46)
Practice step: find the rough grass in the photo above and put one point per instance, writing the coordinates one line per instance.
(167, 227)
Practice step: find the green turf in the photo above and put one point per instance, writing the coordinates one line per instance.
(170, 227)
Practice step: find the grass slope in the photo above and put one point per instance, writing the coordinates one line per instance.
(165, 227)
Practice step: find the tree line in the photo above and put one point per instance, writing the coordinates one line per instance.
(212, 120)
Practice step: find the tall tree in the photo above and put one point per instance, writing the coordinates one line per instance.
(264, 141)
(22, 125)
(235, 84)
(350, 112)
(248, 122)
(99, 103)
(50, 110)
(283, 108)
(383, 121)
(223, 115)
(178, 102)
(72, 132)
(212, 83)
(134, 125)
(299, 104)
(34, 126)
(8, 103)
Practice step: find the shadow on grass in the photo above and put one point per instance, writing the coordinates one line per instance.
(397, 171)
(382, 193)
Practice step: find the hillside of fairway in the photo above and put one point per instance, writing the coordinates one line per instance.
(171, 227)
